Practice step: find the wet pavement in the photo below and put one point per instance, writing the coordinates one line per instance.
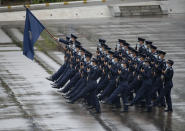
(27, 102)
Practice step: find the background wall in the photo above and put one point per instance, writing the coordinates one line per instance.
(176, 6)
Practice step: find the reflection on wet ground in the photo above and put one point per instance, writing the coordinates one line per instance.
(27, 102)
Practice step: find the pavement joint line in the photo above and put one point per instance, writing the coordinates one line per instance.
(26, 115)
(102, 123)
(4, 37)
(8, 50)
(51, 57)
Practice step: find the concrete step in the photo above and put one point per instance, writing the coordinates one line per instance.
(9, 47)
(17, 35)
(4, 38)
(46, 61)
(139, 9)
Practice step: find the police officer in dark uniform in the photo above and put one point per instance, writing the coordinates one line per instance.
(90, 87)
(122, 87)
(153, 54)
(147, 47)
(140, 46)
(112, 74)
(168, 84)
(69, 73)
(56, 75)
(82, 82)
(146, 76)
(74, 79)
(104, 79)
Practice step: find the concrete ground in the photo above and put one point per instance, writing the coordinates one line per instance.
(27, 101)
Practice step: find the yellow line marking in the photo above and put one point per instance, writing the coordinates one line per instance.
(27, 6)
(9, 7)
(66, 3)
(47, 4)
(84, 1)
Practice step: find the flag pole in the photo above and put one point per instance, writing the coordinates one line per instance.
(54, 38)
(50, 34)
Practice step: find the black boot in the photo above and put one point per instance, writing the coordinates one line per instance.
(70, 102)
(55, 86)
(125, 109)
(49, 78)
(168, 110)
(149, 109)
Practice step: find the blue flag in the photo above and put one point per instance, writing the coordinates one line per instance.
(32, 30)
